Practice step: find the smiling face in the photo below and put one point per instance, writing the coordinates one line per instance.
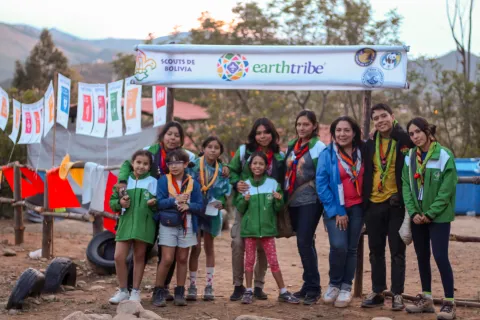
(382, 120)
(212, 150)
(258, 166)
(418, 137)
(177, 168)
(172, 139)
(305, 127)
(141, 165)
(263, 137)
(344, 134)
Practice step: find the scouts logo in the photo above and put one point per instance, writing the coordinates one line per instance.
(372, 77)
(365, 57)
(390, 60)
(231, 66)
(436, 176)
(143, 66)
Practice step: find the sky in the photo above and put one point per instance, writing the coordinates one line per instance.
(425, 27)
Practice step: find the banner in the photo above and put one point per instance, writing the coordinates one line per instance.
(49, 109)
(272, 67)
(85, 109)
(37, 121)
(99, 111)
(63, 100)
(114, 122)
(159, 100)
(4, 108)
(132, 107)
(16, 113)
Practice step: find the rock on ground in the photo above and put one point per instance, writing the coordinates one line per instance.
(78, 315)
(96, 288)
(147, 314)
(130, 307)
(249, 317)
(124, 316)
(9, 253)
(99, 316)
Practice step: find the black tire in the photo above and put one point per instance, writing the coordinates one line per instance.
(99, 251)
(30, 283)
(60, 271)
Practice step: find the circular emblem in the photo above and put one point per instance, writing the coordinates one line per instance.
(365, 57)
(232, 66)
(390, 60)
(372, 77)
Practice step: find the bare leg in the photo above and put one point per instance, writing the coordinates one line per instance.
(121, 252)
(195, 254)
(182, 261)
(168, 254)
(208, 244)
(139, 250)
(278, 279)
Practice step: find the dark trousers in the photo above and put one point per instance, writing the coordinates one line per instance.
(304, 221)
(384, 220)
(438, 234)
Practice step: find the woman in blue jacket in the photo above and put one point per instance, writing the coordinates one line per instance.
(339, 187)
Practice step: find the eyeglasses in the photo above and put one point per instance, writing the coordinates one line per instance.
(175, 163)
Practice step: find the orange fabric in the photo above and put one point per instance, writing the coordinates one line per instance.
(109, 224)
(60, 193)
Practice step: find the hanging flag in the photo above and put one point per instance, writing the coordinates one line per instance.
(4, 107)
(159, 99)
(37, 121)
(28, 124)
(17, 113)
(132, 107)
(49, 109)
(114, 123)
(85, 109)
(99, 110)
(63, 100)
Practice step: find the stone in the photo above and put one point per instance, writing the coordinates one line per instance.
(124, 316)
(81, 284)
(33, 300)
(130, 307)
(251, 317)
(147, 314)
(77, 315)
(99, 316)
(43, 259)
(69, 288)
(100, 282)
(381, 318)
(12, 312)
(49, 298)
(9, 253)
(96, 288)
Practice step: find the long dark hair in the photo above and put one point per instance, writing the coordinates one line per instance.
(144, 153)
(423, 125)
(252, 144)
(167, 127)
(207, 141)
(311, 117)
(357, 139)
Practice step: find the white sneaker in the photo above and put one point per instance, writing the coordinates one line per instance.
(343, 299)
(119, 297)
(135, 295)
(331, 295)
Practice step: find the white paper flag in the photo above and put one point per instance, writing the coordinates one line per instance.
(132, 107)
(17, 114)
(27, 125)
(85, 109)
(63, 100)
(115, 126)
(37, 121)
(4, 107)
(100, 110)
(49, 109)
(159, 100)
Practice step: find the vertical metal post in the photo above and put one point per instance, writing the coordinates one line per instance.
(367, 107)
(47, 230)
(18, 210)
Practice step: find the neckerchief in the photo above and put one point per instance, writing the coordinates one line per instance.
(204, 175)
(383, 160)
(351, 165)
(162, 166)
(269, 155)
(175, 190)
(422, 164)
(291, 175)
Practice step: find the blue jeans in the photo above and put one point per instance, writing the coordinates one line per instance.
(343, 248)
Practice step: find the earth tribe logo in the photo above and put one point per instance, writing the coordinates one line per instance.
(232, 66)
(143, 66)
(365, 57)
(390, 60)
(373, 77)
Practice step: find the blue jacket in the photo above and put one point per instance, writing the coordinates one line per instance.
(165, 202)
(329, 183)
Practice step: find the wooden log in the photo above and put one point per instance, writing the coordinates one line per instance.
(170, 104)
(27, 204)
(97, 225)
(7, 200)
(47, 230)
(68, 215)
(436, 300)
(367, 107)
(104, 214)
(358, 281)
(458, 238)
(18, 211)
(473, 180)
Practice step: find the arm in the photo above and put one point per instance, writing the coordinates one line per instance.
(401, 136)
(115, 201)
(408, 197)
(322, 180)
(241, 204)
(125, 171)
(235, 167)
(278, 203)
(196, 200)
(163, 200)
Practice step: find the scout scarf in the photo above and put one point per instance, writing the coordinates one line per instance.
(205, 182)
(422, 164)
(162, 165)
(383, 159)
(351, 165)
(291, 175)
(174, 190)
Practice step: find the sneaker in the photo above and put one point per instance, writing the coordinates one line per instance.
(158, 297)
(237, 293)
(300, 294)
(343, 299)
(331, 295)
(179, 297)
(373, 300)
(168, 295)
(422, 305)
(119, 297)
(448, 311)
(259, 294)
(397, 303)
(135, 295)
(289, 298)
(311, 298)
(192, 293)
(208, 294)
(247, 297)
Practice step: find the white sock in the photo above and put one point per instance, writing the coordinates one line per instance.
(283, 290)
(209, 277)
(249, 290)
(193, 278)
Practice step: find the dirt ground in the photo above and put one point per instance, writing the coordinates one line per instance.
(71, 239)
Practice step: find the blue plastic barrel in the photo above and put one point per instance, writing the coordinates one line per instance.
(468, 195)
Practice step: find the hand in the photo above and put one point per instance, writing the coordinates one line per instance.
(247, 197)
(219, 206)
(342, 222)
(125, 202)
(152, 202)
(183, 207)
(372, 133)
(226, 171)
(277, 195)
(120, 186)
(426, 219)
(182, 198)
(242, 186)
(418, 219)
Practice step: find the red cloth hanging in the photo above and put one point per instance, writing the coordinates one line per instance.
(8, 174)
(31, 182)
(60, 193)
(109, 224)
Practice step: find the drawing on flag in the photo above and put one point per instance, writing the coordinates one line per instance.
(37, 121)
(114, 121)
(85, 109)
(63, 100)
(16, 112)
(99, 111)
(49, 109)
(159, 100)
(132, 107)
(4, 107)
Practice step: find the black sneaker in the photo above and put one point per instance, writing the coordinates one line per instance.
(373, 300)
(259, 294)
(237, 293)
(300, 294)
(289, 298)
(179, 296)
(311, 298)
(397, 303)
(158, 297)
(168, 295)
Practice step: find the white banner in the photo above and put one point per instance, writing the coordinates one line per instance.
(27, 124)
(31, 123)
(132, 107)
(37, 121)
(49, 109)
(114, 123)
(99, 110)
(272, 67)
(85, 109)
(4, 108)
(63, 100)
(16, 114)
(159, 100)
